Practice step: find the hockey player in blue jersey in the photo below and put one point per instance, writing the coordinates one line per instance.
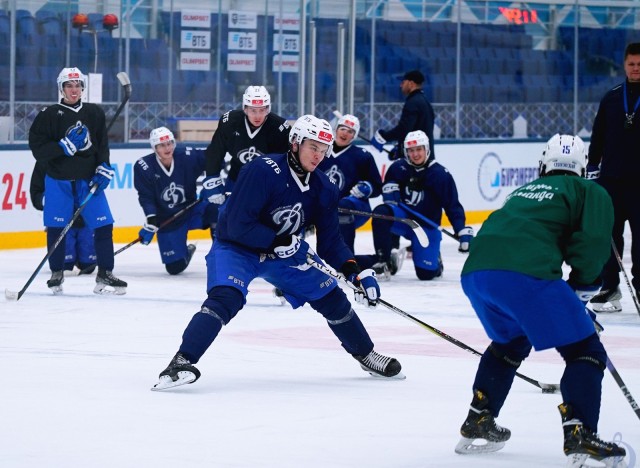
(70, 139)
(354, 171)
(416, 187)
(275, 197)
(166, 183)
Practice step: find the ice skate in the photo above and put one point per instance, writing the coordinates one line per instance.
(277, 292)
(607, 300)
(396, 260)
(179, 372)
(55, 282)
(106, 283)
(382, 271)
(481, 425)
(191, 249)
(379, 365)
(582, 446)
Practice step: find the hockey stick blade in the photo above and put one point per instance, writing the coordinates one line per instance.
(545, 387)
(11, 295)
(123, 78)
(415, 227)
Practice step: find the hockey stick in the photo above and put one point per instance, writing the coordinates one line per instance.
(123, 78)
(15, 296)
(428, 221)
(338, 114)
(626, 278)
(623, 387)
(545, 387)
(415, 227)
(135, 241)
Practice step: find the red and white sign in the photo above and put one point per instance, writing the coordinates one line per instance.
(195, 61)
(241, 62)
(195, 19)
(289, 63)
(288, 22)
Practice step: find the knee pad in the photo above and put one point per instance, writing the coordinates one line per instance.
(174, 268)
(513, 352)
(589, 350)
(335, 307)
(225, 302)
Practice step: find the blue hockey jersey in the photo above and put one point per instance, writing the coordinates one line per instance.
(163, 192)
(349, 166)
(428, 190)
(269, 200)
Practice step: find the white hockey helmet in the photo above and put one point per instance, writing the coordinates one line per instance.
(71, 74)
(350, 121)
(160, 135)
(415, 139)
(256, 96)
(312, 128)
(564, 153)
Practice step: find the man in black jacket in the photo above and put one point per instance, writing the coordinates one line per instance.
(417, 114)
(614, 162)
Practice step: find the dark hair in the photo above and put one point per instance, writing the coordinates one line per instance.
(632, 49)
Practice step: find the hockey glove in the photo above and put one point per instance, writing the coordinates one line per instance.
(377, 141)
(395, 153)
(213, 190)
(464, 237)
(585, 292)
(369, 291)
(593, 172)
(362, 190)
(391, 193)
(291, 246)
(76, 139)
(102, 178)
(148, 230)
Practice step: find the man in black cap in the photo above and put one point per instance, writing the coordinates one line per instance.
(417, 114)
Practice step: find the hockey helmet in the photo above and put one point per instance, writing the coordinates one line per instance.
(71, 74)
(415, 139)
(161, 135)
(256, 96)
(350, 121)
(564, 153)
(312, 128)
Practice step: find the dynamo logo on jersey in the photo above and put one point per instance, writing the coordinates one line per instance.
(174, 195)
(249, 154)
(289, 219)
(336, 176)
(412, 197)
(492, 177)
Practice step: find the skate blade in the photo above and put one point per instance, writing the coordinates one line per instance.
(165, 382)
(583, 460)
(467, 446)
(606, 307)
(56, 290)
(105, 290)
(398, 376)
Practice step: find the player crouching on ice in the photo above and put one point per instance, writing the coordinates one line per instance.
(513, 279)
(274, 199)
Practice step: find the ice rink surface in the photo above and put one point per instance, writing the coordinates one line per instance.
(277, 390)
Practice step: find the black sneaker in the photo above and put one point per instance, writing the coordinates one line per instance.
(179, 372)
(480, 424)
(55, 282)
(379, 365)
(106, 283)
(607, 300)
(581, 443)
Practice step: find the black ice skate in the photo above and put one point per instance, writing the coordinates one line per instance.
(607, 300)
(277, 292)
(191, 249)
(382, 270)
(379, 365)
(480, 424)
(582, 445)
(106, 283)
(179, 372)
(397, 259)
(55, 282)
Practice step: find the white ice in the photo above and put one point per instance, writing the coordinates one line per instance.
(277, 390)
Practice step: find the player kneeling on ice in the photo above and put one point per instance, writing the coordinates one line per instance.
(275, 197)
(513, 279)
(417, 188)
(166, 181)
